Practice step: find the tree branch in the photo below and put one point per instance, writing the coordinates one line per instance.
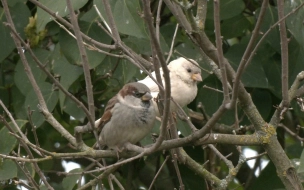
(220, 55)
(86, 69)
(246, 59)
(167, 94)
(284, 53)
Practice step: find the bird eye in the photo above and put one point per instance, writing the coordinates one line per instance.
(138, 94)
(189, 70)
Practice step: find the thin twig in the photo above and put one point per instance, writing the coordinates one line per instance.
(247, 54)
(28, 175)
(94, 182)
(172, 43)
(167, 94)
(257, 156)
(158, 172)
(54, 80)
(24, 139)
(213, 89)
(276, 118)
(269, 30)
(118, 164)
(34, 130)
(176, 156)
(222, 157)
(42, 105)
(111, 20)
(284, 53)
(68, 25)
(102, 19)
(158, 18)
(290, 132)
(220, 50)
(86, 69)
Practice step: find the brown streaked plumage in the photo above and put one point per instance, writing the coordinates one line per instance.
(129, 116)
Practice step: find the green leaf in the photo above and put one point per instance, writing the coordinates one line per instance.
(20, 77)
(69, 47)
(70, 181)
(60, 68)
(273, 71)
(270, 18)
(20, 14)
(17, 102)
(190, 179)
(139, 45)
(8, 170)
(107, 65)
(262, 100)
(235, 27)
(73, 110)
(43, 187)
(148, 138)
(296, 58)
(212, 100)
(50, 96)
(226, 8)
(254, 75)
(27, 167)
(142, 46)
(57, 6)
(7, 141)
(127, 18)
(129, 70)
(295, 21)
(12, 3)
(268, 179)
(182, 126)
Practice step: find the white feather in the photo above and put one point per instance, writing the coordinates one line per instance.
(183, 87)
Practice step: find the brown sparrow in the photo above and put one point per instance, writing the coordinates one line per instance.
(184, 76)
(128, 117)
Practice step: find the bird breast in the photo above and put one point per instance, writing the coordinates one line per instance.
(128, 124)
(183, 93)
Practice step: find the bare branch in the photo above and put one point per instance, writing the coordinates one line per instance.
(68, 25)
(201, 14)
(112, 24)
(159, 170)
(42, 105)
(86, 69)
(158, 19)
(220, 51)
(269, 30)
(172, 44)
(167, 94)
(221, 156)
(284, 53)
(248, 52)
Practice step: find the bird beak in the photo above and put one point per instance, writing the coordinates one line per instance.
(146, 97)
(197, 77)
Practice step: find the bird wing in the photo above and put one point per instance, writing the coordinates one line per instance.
(106, 117)
(150, 83)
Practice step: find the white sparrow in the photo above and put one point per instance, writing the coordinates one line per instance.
(184, 76)
(128, 117)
